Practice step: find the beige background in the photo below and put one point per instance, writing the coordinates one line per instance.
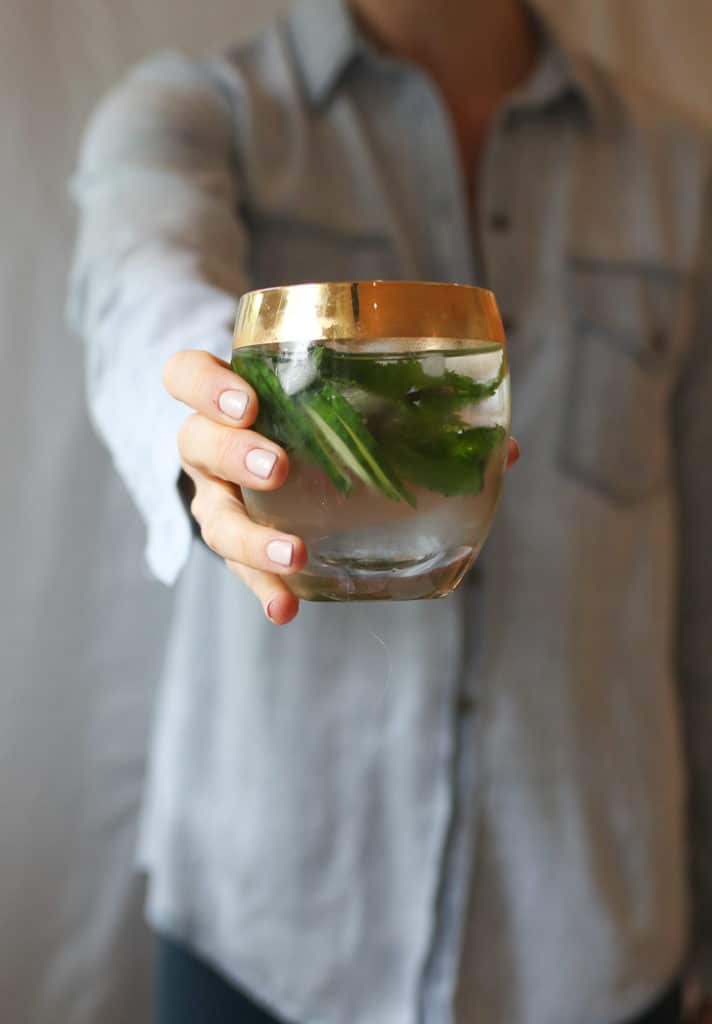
(81, 622)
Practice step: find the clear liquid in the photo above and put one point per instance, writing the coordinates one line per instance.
(366, 544)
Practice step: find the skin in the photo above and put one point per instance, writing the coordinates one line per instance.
(476, 53)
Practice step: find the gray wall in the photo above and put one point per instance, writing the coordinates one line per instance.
(81, 621)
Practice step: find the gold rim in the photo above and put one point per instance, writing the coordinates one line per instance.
(429, 313)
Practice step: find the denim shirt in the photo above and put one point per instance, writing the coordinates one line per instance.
(476, 809)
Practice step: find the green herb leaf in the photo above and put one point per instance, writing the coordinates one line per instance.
(351, 438)
(406, 380)
(415, 417)
(282, 419)
(451, 462)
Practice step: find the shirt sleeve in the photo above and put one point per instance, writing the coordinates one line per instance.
(693, 446)
(159, 266)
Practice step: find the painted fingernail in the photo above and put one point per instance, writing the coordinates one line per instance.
(233, 404)
(260, 462)
(281, 552)
(271, 609)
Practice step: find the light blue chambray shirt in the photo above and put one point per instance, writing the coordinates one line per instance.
(467, 810)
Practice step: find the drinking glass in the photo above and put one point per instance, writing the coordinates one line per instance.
(392, 401)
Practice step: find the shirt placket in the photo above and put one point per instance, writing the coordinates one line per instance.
(492, 242)
(451, 253)
(495, 216)
(451, 256)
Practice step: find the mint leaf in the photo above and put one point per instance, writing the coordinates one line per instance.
(320, 424)
(406, 380)
(451, 462)
(282, 420)
(382, 421)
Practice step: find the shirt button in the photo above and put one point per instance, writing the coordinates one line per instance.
(500, 221)
(465, 704)
(659, 342)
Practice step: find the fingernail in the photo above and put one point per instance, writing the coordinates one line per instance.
(281, 552)
(269, 610)
(233, 404)
(260, 462)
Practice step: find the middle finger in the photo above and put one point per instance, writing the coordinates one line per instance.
(241, 456)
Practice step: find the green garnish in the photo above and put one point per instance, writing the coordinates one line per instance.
(380, 420)
(350, 436)
(281, 419)
(452, 462)
(405, 379)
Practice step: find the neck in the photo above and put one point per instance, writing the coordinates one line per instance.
(476, 50)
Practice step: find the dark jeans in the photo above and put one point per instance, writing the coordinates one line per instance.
(191, 992)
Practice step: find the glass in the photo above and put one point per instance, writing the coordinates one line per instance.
(392, 402)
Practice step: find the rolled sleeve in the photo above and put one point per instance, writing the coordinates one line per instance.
(159, 267)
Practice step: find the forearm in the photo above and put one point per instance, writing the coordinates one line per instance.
(158, 268)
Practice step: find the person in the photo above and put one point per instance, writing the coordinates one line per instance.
(470, 810)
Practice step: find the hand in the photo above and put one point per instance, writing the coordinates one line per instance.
(219, 453)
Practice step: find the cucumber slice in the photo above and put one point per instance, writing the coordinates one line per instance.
(340, 448)
(354, 443)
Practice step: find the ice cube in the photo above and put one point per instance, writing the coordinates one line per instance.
(297, 373)
(476, 365)
(433, 365)
(488, 410)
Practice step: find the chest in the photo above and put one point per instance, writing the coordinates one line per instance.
(575, 236)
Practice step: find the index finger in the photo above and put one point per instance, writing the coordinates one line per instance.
(207, 384)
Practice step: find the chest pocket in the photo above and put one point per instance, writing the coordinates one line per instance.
(630, 325)
(286, 251)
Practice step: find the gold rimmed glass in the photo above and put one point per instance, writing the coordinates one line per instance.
(392, 401)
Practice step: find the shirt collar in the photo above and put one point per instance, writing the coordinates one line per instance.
(327, 40)
(560, 75)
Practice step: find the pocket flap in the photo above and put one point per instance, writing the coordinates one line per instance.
(640, 307)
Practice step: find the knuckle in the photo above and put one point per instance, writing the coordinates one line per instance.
(232, 567)
(227, 452)
(167, 375)
(211, 532)
(186, 435)
(197, 508)
(236, 568)
(172, 371)
(224, 533)
(239, 548)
